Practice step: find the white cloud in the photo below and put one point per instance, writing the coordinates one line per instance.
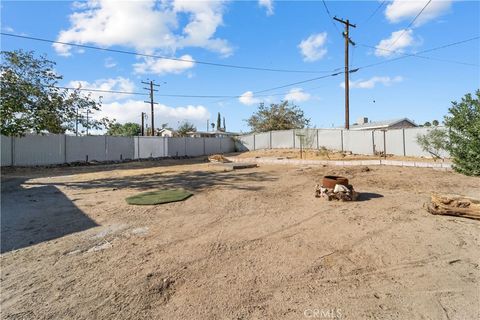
(146, 25)
(397, 41)
(8, 29)
(268, 4)
(370, 83)
(313, 48)
(114, 84)
(248, 99)
(297, 95)
(163, 66)
(400, 10)
(130, 111)
(110, 63)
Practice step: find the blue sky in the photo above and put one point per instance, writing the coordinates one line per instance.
(269, 34)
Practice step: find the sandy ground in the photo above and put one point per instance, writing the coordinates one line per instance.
(325, 155)
(250, 244)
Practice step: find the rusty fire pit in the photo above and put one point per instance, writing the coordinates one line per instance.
(335, 188)
(330, 181)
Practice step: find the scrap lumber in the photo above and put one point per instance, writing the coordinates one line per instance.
(454, 205)
(218, 158)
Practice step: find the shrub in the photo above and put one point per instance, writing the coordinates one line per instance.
(463, 124)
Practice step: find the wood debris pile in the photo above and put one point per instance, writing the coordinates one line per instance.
(339, 192)
(218, 158)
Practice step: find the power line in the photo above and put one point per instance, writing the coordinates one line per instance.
(421, 52)
(405, 55)
(418, 56)
(162, 95)
(163, 57)
(410, 24)
(373, 13)
(330, 16)
(298, 82)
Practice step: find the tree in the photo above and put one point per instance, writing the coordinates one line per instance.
(185, 128)
(219, 123)
(427, 124)
(435, 123)
(128, 129)
(433, 142)
(224, 126)
(31, 101)
(282, 116)
(463, 124)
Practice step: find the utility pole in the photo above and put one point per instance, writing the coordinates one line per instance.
(143, 123)
(347, 84)
(151, 89)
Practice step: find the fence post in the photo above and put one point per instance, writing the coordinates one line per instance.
(165, 147)
(185, 145)
(341, 138)
(318, 140)
(12, 150)
(385, 143)
(106, 148)
(138, 147)
(270, 139)
(404, 151)
(293, 131)
(254, 142)
(373, 141)
(204, 149)
(65, 148)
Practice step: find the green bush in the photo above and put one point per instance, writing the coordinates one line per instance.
(463, 124)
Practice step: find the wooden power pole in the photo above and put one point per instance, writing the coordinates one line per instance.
(151, 89)
(348, 41)
(143, 123)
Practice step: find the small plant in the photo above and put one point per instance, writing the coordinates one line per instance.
(323, 152)
(433, 142)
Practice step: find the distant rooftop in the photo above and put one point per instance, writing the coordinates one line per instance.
(384, 124)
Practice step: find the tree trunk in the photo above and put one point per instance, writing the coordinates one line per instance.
(454, 205)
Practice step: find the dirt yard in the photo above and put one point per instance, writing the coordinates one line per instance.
(250, 244)
(325, 154)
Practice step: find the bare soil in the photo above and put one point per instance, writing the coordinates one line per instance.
(250, 244)
(325, 154)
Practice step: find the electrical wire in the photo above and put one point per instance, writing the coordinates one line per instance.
(418, 56)
(330, 16)
(298, 82)
(373, 13)
(157, 95)
(163, 57)
(420, 52)
(410, 24)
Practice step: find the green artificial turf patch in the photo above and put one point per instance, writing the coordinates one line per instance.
(158, 197)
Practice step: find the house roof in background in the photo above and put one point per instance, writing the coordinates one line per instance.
(380, 124)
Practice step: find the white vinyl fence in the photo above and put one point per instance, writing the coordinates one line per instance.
(34, 150)
(400, 142)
